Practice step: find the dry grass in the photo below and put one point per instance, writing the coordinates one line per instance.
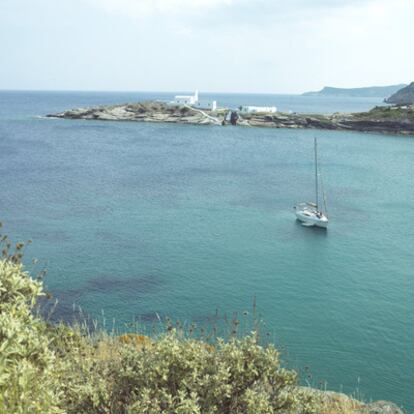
(139, 341)
(335, 403)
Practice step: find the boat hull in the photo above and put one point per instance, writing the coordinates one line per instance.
(311, 218)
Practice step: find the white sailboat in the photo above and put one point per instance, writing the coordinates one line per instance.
(309, 214)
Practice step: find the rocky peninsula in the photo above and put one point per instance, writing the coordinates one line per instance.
(381, 119)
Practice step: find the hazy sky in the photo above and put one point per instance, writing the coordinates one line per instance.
(272, 46)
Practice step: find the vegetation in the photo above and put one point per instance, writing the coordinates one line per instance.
(61, 369)
(184, 110)
(27, 363)
(388, 113)
(48, 368)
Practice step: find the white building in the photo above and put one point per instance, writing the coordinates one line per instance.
(192, 100)
(186, 99)
(256, 109)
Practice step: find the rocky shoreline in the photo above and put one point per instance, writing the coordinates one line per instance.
(386, 119)
(339, 403)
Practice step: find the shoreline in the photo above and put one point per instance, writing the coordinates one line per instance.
(385, 120)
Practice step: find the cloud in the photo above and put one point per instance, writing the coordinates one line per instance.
(143, 8)
(191, 15)
(217, 45)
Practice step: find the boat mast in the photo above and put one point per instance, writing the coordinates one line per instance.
(316, 174)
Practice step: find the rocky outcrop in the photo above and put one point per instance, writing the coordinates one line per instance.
(404, 96)
(390, 120)
(338, 403)
(381, 407)
(151, 111)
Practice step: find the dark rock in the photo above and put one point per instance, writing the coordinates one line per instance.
(234, 118)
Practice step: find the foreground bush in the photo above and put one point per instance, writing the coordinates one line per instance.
(26, 362)
(57, 369)
(186, 376)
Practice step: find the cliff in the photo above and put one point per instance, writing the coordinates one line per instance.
(367, 92)
(404, 96)
(390, 120)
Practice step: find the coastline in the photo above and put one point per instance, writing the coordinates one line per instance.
(386, 120)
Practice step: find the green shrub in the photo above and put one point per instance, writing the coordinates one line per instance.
(47, 369)
(184, 110)
(26, 362)
(177, 375)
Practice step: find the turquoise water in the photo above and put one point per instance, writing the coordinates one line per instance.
(180, 220)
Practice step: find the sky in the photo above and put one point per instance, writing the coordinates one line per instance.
(250, 46)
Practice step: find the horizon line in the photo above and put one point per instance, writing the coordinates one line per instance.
(148, 91)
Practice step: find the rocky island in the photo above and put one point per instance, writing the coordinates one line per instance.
(381, 119)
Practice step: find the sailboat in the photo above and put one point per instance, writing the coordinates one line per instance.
(309, 214)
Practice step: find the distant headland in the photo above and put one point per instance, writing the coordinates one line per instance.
(404, 96)
(366, 92)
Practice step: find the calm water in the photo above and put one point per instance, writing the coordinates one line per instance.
(141, 218)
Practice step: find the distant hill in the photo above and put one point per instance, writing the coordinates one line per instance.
(367, 92)
(404, 96)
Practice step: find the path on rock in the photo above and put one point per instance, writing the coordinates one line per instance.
(216, 120)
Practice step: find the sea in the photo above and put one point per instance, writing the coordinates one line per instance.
(136, 222)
